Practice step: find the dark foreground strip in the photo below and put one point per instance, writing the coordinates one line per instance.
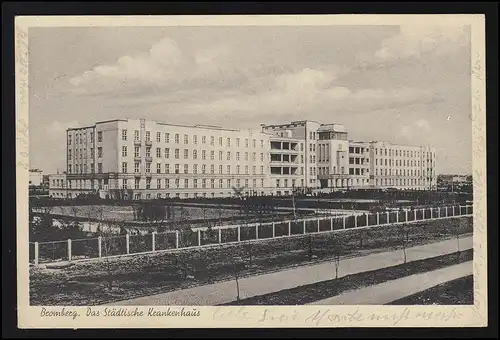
(325, 289)
(457, 292)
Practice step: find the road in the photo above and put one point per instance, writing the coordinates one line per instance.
(224, 292)
(397, 289)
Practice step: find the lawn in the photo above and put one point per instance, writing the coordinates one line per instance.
(88, 283)
(456, 292)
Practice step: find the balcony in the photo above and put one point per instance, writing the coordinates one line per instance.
(148, 143)
(137, 142)
(137, 174)
(149, 159)
(137, 158)
(149, 174)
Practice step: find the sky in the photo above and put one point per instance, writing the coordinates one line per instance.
(395, 83)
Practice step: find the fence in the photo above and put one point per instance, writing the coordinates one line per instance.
(102, 247)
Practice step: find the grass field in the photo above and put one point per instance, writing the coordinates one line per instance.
(456, 292)
(88, 283)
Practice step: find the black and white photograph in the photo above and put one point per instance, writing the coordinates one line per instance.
(177, 167)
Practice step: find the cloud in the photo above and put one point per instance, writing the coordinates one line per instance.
(417, 129)
(419, 41)
(57, 127)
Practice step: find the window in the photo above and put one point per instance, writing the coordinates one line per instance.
(158, 152)
(212, 155)
(69, 154)
(136, 135)
(212, 183)
(229, 142)
(186, 139)
(185, 168)
(261, 170)
(167, 137)
(158, 137)
(124, 134)
(136, 183)
(177, 138)
(148, 183)
(237, 142)
(148, 136)
(158, 168)
(220, 183)
(228, 155)
(195, 183)
(212, 140)
(261, 143)
(177, 168)
(220, 141)
(203, 154)
(212, 169)
(220, 155)
(261, 157)
(124, 167)
(186, 183)
(246, 169)
(237, 156)
(186, 153)
(237, 169)
(195, 154)
(195, 139)
(167, 184)
(148, 167)
(220, 169)
(124, 151)
(137, 151)
(277, 183)
(69, 139)
(99, 168)
(158, 184)
(148, 151)
(238, 183)
(228, 169)
(176, 153)
(167, 153)
(203, 183)
(92, 168)
(254, 183)
(99, 152)
(246, 156)
(246, 142)
(203, 140)
(246, 182)
(253, 143)
(254, 170)
(203, 169)
(228, 183)
(99, 136)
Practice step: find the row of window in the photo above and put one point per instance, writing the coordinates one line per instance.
(357, 149)
(166, 138)
(397, 162)
(82, 154)
(357, 160)
(358, 171)
(166, 168)
(402, 153)
(195, 153)
(82, 138)
(195, 183)
(399, 172)
(399, 181)
(82, 168)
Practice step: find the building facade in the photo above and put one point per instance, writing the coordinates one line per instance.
(35, 177)
(140, 159)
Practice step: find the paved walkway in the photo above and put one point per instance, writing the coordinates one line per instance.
(397, 289)
(224, 292)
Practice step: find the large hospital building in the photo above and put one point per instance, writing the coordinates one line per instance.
(141, 159)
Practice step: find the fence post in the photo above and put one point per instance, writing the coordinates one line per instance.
(36, 254)
(177, 239)
(274, 230)
(289, 228)
(343, 222)
(453, 211)
(397, 216)
(378, 218)
(153, 241)
(318, 225)
(239, 233)
(69, 249)
(256, 231)
(431, 212)
(415, 214)
(331, 223)
(99, 245)
(439, 212)
(199, 237)
(304, 226)
(406, 215)
(459, 210)
(423, 214)
(387, 222)
(220, 235)
(366, 220)
(127, 237)
(446, 211)
(355, 221)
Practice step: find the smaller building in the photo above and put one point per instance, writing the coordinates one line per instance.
(35, 178)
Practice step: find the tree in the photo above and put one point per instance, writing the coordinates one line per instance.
(337, 250)
(237, 265)
(404, 238)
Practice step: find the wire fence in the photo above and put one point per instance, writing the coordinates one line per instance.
(101, 247)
